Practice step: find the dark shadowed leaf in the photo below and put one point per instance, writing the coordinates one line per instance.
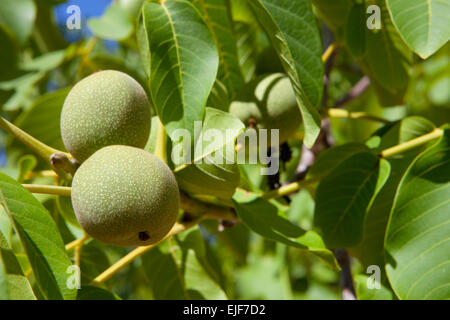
(95, 293)
(217, 15)
(247, 47)
(18, 16)
(267, 218)
(178, 269)
(355, 32)
(45, 110)
(331, 158)
(371, 249)
(344, 196)
(387, 58)
(366, 290)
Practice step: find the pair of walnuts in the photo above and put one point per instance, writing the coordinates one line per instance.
(121, 194)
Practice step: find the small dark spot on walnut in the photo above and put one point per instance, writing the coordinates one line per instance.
(143, 236)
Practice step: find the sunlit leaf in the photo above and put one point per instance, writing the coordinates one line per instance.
(417, 242)
(115, 24)
(40, 238)
(217, 16)
(285, 22)
(183, 63)
(423, 24)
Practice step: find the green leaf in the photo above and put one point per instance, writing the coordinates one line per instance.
(93, 261)
(334, 12)
(217, 180)
(13, 284)
(355, 32)
(5, 227)
(417, 242)
(247, 48)
(45, 110)
(183, 63)
(387, 57)
(242, 12)
(344, 196)
(423, 24)
(413, 127)
(64, 205)
(371, 249)
(24, 87)
(407, 129)
(214, 170)
(217, 16)
(330, 158)
(219, 97)
(220, 129)
(95, 293)
(40, 238)
(132, 7)
(293, 32)
(179, 269)
(15, 287)
(364, 293)
(26, 164)
(9, 54)
(19, 16)
(106, 62)
(48, 35)
(48, 61)
(114, 24)
(267, 218)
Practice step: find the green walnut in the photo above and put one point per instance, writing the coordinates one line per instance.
(268, 102)
(125, 196)
(106, 108)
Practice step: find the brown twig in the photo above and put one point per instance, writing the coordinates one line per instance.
(358, 89)
(346, 279)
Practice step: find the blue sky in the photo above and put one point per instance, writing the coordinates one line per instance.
(88, 8)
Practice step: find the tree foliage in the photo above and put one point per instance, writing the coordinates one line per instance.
(367, 172)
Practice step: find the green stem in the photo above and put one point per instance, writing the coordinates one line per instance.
(342, 113)
(139, 251)
(210, 211)
(288, 189)
(411, 144)
(44, 189)
(387, 153)
(77, 242)
(161, 143)
(37, 146)
(59, 160)
(327, 54)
